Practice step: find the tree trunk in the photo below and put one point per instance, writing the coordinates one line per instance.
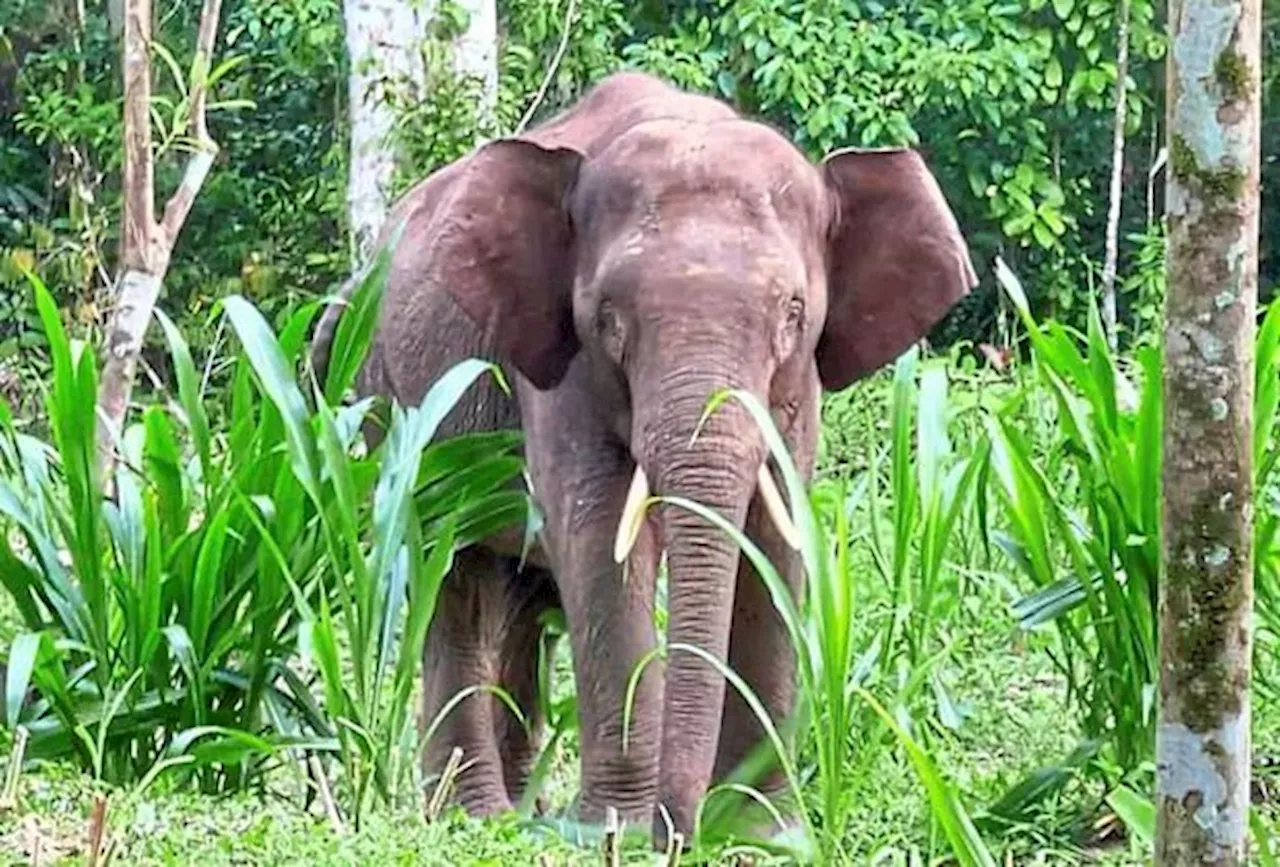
(1117, 173)
(145, 245)
(1206, 594)
(476, 52)
(115, 17)
(383, 45)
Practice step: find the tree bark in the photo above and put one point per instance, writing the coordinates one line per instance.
(146, 245)
(476, 52)
(383, 44)
(1117, 173)
(1206, 594)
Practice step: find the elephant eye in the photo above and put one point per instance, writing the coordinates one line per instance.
(611, 331)
(795, 311)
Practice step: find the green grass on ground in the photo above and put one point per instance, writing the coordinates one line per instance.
(1015, 719)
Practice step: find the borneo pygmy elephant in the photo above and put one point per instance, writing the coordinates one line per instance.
(629, 258)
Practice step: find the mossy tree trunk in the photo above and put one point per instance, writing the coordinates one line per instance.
(1203, 740)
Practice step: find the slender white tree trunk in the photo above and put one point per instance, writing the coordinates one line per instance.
(1206, 592)
(476, 51)
(145, 243)
(384, 40)
(1117, 176)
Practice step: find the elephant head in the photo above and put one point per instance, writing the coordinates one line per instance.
(672, 261)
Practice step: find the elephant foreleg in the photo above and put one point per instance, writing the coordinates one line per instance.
(532, 592)
(464, 650)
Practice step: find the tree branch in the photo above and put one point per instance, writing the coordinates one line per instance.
(551, 70)
(1112, 251)
(179, 204)
(146, 244)
(139, 186)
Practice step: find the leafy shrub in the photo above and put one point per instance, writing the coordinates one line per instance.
(1266, 458)
(164, 625)
(156, 637)
(931, 492)
(1108, 542)
(1083, 522)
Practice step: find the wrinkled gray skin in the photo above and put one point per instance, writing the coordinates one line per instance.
(626, 260)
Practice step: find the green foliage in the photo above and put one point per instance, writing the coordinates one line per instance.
(136, 647)
(268, 222)
(598, 34)
(258, 587)
(1011, 104)
(1266, 456)
(931, 490)
(170, 632)
(1082, 518)
(1094, 562)
(1144, 285)
(440, 124)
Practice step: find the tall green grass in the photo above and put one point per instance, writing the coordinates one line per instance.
(1080, 518)
(152, 635)
(931, 492)
(385, 529)
(1266, 457)
(192, 619)
(1093, 558)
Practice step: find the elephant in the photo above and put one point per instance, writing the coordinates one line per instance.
(625, 260)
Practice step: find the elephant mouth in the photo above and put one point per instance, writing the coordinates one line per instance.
(638, 494)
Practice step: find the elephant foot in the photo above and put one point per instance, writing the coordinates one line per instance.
(478, 791)
(483, 805)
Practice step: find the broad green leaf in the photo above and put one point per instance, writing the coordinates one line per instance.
(1137, 813)
(24, 655)
(268, 361)
(189, 398)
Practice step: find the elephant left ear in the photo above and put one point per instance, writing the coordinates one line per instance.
(896, 261)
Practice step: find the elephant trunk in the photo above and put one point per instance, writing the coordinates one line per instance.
(719, 470)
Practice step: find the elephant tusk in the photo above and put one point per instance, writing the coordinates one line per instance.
(777, 509)
(632, 516)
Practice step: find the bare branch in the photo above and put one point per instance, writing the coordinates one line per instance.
(97, 828)
(139, 186)
(326, 795)
(1112, 253)
(179, 204)
(551, 70)
(148, 245)
(202, 62)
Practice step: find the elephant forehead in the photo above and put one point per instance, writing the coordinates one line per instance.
(664, 164)
(725, 255)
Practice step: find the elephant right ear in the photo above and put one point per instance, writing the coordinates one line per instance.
(502, 245)
(897, 261)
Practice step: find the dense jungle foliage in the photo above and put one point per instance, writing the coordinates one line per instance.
(1011, 102)
(244, 618)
